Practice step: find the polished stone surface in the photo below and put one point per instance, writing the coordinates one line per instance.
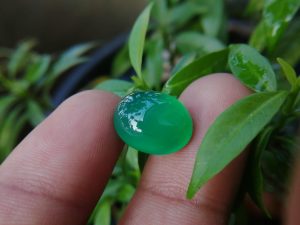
(153, 122)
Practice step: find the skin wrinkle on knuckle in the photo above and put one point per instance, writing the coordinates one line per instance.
(48, 208)
(176, 194)
(41, 187)
(17, 190)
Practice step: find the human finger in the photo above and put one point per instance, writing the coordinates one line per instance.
(160, 198)
(56, 175)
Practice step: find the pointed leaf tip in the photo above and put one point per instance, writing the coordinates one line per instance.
(137, 39)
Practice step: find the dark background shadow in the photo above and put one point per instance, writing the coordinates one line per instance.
(57, 24)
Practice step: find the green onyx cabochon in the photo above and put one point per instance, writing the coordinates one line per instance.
(153, 122)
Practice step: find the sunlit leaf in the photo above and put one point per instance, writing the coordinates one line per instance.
(112, 189)
(213, 19)
(37, 69)
(289, 72)
(19, 57)
(126, 193)
(69, 59)
(230, 133)
(254, 6)
(159, 12)
(118, 87)
(121, 62)
(137, 40)
(211, 63)
(10, 131)
(182, 13)
(103, 214)
(78, 50)
(62, 65)
(35, 113)
(288, 47)
(258, 37)
(277, 14)
(193, 42)
(154, 63)
(251, 68)
(132, 158)
(17, 87)
(5, 103)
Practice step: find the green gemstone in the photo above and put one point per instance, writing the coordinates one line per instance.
(153, 122)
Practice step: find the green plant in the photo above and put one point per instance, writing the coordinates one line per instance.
(26, 81)
(186, 40)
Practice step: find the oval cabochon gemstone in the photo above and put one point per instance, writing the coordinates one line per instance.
(153, 122)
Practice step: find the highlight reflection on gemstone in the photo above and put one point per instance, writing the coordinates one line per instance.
(153, 122)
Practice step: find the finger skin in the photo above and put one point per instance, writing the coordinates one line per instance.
(56, 175)
(160, 198)
(292, 214)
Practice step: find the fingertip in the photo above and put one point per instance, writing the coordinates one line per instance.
(63, 164)
(166, 178)
(219, 88)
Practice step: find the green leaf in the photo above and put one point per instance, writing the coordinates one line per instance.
(211, 63)
(213, 19)
(132, 158)
(103, 214)
(38, 68)
(19, 57)
(68, 59)
(154, 63)
(35, 113)
(10, 130)
(78, 50)
(139, 83)
(276, 15)
(196, 42)
(159, 12)
(5, 103)
(118, 87)
(137, 40)
(126, 193)
(121, 62)
(258, 37)
(289, 72)
(112, 189)
(173, 2)
(288, 47)
(254, 6)
(255, 183)
(230, 133)
(62, 65)
(251, 68)
(16, 87)
(182, 13)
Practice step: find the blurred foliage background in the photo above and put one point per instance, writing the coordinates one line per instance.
(179, 32)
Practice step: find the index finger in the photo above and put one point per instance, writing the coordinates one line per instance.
(56, 175)
(161, 196)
